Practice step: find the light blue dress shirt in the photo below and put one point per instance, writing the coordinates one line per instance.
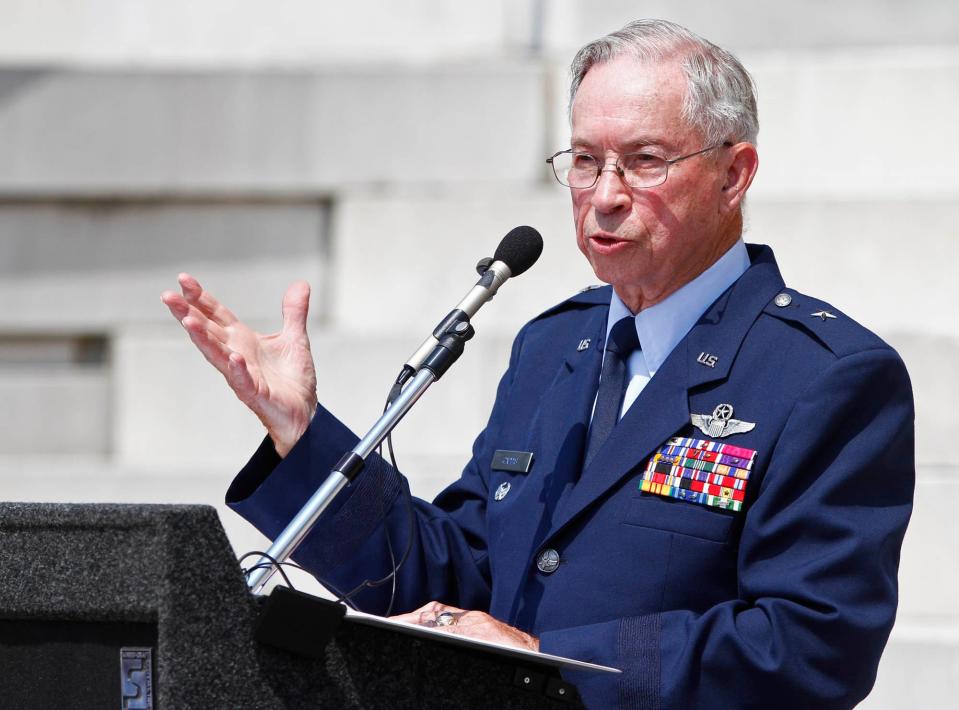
(662, 326)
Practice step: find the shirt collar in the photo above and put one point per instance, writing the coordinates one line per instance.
(662, 326)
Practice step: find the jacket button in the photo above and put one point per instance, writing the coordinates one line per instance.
(548, 561)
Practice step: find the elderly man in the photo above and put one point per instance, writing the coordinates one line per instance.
(719, 470)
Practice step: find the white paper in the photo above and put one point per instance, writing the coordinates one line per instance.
(460, 640)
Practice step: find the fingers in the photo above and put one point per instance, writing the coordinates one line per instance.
(197, 302)
(204, 301)
(212, 348)
(416, 617)
(191, 317)
(475, 624)
(176, 303)
(240, 378)
(232, 365)
(296, 306)
(208, 337)
(426, 614)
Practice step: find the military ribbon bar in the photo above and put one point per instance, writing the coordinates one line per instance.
(700, 471)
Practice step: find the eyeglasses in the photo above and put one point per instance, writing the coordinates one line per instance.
(582, 170)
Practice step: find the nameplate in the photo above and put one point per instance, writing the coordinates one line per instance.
(518, 461)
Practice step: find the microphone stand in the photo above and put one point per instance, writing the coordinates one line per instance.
(452, 334)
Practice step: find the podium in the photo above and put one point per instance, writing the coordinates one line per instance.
(145, 607)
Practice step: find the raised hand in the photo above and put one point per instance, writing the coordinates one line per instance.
(272, 374)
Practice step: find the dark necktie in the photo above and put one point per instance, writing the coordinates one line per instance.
(612, 384)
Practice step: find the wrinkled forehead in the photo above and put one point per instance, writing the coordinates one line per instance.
(631, 101)
(629, 79)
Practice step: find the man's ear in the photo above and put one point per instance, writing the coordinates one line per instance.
(741, 162)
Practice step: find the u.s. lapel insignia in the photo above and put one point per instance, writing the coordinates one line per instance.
(720, 423)
(583, 345)
(707, 359)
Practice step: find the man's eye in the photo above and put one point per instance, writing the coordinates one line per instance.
(641, 161)
(583, 161)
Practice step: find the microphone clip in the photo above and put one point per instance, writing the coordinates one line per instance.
(452, 335)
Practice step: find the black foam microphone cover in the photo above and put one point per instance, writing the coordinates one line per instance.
(519, 249)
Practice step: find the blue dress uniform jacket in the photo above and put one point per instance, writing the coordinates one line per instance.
(787, 602)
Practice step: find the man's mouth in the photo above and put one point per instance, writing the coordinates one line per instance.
(606, 243)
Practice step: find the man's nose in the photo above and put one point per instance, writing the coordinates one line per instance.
(611, 193)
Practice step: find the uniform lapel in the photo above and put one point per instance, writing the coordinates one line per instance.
(663, 406)
(563, 418)
(558, 434)
(722, 328)
(661, 409)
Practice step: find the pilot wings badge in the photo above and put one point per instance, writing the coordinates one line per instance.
(720, 423)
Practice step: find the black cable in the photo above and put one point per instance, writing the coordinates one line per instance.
(395, 566)
(411, 524)
(294, 565)
(273, 563)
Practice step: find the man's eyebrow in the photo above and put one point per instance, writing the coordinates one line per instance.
(629, 146)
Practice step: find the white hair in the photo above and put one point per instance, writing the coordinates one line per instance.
(720, 96)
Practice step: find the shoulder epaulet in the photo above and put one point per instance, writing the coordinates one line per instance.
(595, 295)
(833, 328)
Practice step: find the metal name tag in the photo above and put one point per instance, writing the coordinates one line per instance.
(136, 679)
(518, 461)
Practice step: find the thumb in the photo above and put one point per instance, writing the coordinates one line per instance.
(296, 305)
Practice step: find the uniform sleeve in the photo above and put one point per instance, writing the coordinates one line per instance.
(351, 541)
(817, 564)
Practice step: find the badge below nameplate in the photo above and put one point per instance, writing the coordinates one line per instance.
(700, 471)
(515, 461)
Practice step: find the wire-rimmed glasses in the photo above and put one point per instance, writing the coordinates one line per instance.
(581, 170)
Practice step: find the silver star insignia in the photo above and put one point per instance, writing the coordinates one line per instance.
(720, 423)
(822, 314)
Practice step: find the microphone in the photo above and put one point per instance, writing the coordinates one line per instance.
(517, 251)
